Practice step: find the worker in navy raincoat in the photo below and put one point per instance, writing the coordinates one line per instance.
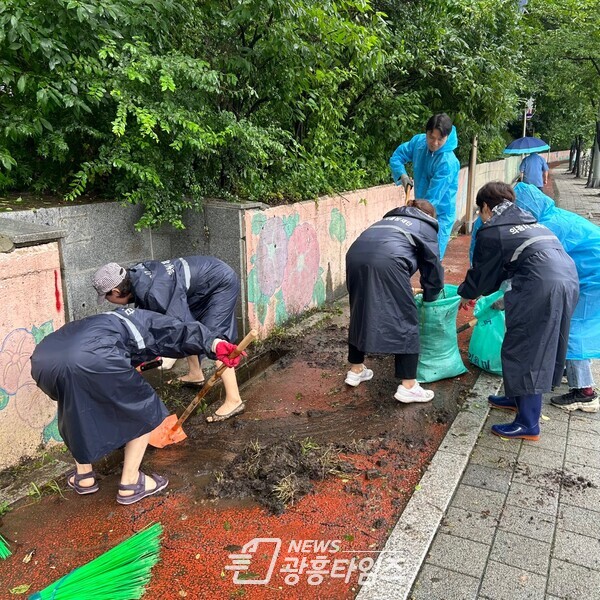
(383, 313)
(201, 288)
(435, 170)
(581, 240)
(88, 367)
(511, 244)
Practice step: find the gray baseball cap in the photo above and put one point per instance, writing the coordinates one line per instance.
(107, 278)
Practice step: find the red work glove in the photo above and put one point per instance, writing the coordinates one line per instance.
(466, 304)
(223, 350)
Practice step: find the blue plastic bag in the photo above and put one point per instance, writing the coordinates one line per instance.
(486, 342)
(439, 357)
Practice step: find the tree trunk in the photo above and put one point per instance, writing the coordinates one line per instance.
(577, 168)
(572, 157)
(594, 176)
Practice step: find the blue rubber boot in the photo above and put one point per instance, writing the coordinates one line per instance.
(526, 425)
(506, 402)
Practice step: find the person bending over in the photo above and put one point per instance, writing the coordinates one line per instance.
(383, 313)
(88, 368)
(201, 288)
(511, 244)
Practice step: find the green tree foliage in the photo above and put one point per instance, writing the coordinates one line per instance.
(563, 49)
(463, 58)
(163, 103)
(296, 67)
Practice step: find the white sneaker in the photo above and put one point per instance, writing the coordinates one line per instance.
(354, 379)
(414, 394)
(167, 364)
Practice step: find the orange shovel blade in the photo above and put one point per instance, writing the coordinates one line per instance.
(167, 433)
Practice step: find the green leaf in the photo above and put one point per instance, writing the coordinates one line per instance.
(4, 398)
(262, 307)
(39, 333)
(290, 223)
(21, 82)
(281, 314)
(51, 431)
(254, 293)
(46, 124)
(20, 589)
(319, 292)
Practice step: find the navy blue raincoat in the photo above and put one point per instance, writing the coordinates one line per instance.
(201, 288)
(436, 178)
(545, 290)
(379, 265)
(88, 367)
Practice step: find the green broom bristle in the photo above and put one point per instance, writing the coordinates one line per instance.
(4, 549)
(122, 573)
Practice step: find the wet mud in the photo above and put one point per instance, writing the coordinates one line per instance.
(299, 402)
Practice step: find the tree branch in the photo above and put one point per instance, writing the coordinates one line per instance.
(584, 59)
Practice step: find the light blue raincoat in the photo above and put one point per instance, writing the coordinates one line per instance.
(581, 241)
(436, 178)
(476, 225)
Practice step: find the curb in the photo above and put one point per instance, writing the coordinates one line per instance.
(400, 560)
(40, 477)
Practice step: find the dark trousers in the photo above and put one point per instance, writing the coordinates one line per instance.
(405, 365)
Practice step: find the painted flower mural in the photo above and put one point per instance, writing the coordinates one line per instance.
(271, 256)
(14, 357)
(32, 406)
(302, 268)
(285, 276)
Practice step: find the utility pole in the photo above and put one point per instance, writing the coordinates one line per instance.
(527, 114)
(471, 186)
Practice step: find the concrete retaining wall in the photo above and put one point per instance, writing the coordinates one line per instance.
(32, 307)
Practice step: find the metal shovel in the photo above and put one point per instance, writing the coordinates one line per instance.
(170, 431)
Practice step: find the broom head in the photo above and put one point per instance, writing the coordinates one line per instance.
(122, 573)
(4, 549)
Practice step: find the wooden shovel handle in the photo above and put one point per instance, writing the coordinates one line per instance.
(252, 335)
(466, 326)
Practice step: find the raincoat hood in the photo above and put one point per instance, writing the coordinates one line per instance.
(413, 212)
(510, 215)
(533, 200)
(451, 143)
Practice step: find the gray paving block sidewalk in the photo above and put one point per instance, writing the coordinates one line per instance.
(574, 196)
(524, 522)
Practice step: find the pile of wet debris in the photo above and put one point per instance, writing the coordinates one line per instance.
(277, 475)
